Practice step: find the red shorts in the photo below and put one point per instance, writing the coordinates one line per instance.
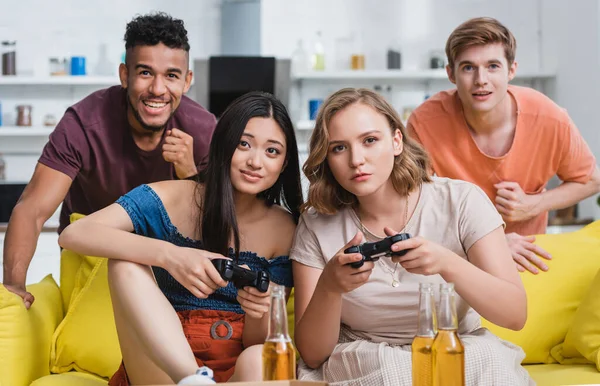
(215, 338)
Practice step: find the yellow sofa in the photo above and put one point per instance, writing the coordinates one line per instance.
(68, 336)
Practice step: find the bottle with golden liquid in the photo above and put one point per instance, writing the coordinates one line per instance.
(422, 365)
(279, 355)
(448, 351)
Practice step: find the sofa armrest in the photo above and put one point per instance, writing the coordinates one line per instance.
(26, 335)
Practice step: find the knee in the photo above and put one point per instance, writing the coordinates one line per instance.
(486, 351)
(122, 269)
(248, 366)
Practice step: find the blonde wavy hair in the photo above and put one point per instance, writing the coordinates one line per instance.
(325, 194)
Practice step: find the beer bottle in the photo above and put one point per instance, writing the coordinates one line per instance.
(448, 351)
(279, 355)
(422, 366)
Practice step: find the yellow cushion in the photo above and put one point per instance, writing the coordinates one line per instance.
(582, 343)
(25, 335)
(69, 265)
(86, 340)
(562, 375)
(70, 379)
(553, 296)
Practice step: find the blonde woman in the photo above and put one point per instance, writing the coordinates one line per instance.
(368, 180)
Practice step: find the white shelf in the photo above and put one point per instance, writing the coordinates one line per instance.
(397, 74)
(25, 131)
(305, 125)
(83, 80)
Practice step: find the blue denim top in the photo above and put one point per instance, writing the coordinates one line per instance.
(150, 218)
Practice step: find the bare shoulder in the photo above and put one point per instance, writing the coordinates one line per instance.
(281, 227)
(173, 190)
(178, 196)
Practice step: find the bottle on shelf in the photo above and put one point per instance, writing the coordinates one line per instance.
(279, 355)
(422, 363)
(357, 58)
(299, 59)
(318, 55)
(448, 350)
(104, 67)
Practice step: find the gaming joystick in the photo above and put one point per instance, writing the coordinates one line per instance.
(242, 277)
(373, 251)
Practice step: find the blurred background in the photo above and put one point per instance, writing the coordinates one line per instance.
(54, 53)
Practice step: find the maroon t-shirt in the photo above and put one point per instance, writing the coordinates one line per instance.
(94, 146)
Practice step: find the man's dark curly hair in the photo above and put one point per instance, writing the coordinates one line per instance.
(154, 28)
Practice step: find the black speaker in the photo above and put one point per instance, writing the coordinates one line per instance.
(233, 76)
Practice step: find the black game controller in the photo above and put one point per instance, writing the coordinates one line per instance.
(373, 251)
(242, 277)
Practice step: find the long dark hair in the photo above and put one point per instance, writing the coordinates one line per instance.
(218, 222)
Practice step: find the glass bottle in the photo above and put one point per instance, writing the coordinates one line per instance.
(104, 66)
(279, 355)
(318, 56)
(299, 59)
(448, 351)
(422, 366)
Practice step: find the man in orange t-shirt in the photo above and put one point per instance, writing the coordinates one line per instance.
(508, 140)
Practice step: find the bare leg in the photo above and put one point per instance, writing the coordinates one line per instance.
(248, 366)
(154, 347)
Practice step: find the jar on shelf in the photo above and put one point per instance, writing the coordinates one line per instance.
(436, 60)
(9, 58)
(49, 120)
(54, 66)
(357, 62)
(24, 115)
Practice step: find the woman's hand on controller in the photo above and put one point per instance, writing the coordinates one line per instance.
(339, 276)
(254, 303)
(194, 270)
(423, 257)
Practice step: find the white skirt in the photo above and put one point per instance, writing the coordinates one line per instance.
(488, 361)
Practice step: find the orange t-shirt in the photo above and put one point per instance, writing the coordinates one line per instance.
(546, 143)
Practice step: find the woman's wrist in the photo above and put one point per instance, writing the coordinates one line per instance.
(324, 288)
(165, 255)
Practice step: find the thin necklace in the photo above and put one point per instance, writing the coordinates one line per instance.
(395, 282)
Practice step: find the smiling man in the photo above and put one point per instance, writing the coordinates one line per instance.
(509, 140)
(143, 131)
